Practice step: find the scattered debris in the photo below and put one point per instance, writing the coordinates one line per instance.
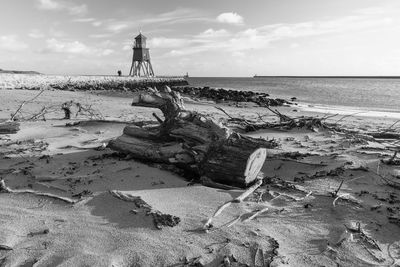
(160, 219)
(42, 232)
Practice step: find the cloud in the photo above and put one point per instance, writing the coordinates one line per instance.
(313, 28)
(49, 5)
(230, 18)
(163, 42)
(117, 27)
(57, 5)
(94, 22)
(100, 35)
(11, 43)
(211, 33)
(77, 10)
(73, 47)
(177, 16)
(36, 34)
(261, 37)
(84, 20)
(97, 23)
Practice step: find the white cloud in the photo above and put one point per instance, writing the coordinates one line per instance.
(36, 34)
(97, 23)
(177, 16)
(73, 47)
(84, 20)
(163, 42)
(11, 43)
(94, 22)
(107, 52)
(117, 27)
(230, 18)
(261, 37)
(100, 35)
(72, 9)
(211, 33)
(127, 47)
(49, 4)
(77, 10)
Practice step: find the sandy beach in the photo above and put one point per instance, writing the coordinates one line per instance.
(323, 200)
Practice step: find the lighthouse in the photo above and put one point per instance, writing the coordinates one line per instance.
(141, 65)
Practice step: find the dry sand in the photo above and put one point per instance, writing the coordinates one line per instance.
(101, 230)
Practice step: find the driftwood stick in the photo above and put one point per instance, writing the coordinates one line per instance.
(23, 103)
(306, 196)
(258, 212)
(226, 113)
(337, 190)
(388, 182)
(348, 115)
(391, 126)
(157, 118)
(238, 199)
(230, 224)
(5, 247)
(5, 189)
(337, 198)
(248, 192)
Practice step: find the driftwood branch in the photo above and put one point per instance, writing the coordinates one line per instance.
(240, 198)
(25, 102)
(285, 122)
(5, 189)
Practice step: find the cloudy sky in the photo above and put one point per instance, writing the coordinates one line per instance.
(204, 38)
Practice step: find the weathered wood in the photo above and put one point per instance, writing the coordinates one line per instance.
(233, 165)
(139, 132)
(385, 135)
(153, 151)
(238, 199)
(192, 141)
(9, 127)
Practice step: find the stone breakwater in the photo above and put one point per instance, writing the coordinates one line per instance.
(83, 83)
(221, 95)
(131, 84)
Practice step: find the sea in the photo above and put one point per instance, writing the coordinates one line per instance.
(371, 96)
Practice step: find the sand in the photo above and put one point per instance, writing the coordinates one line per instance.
(298, 229)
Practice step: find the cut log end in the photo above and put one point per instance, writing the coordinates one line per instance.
(234, 164)
(255, 164)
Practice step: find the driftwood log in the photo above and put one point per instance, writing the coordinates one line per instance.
(192, 142)
(9, 127)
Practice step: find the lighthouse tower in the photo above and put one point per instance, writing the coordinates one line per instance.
(141, 65)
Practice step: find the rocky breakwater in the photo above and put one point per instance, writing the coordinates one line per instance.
(84, 83)
(221, 95)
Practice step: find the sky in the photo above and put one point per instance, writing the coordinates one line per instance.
(204, 38)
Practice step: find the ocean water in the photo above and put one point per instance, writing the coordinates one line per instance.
(381, 95)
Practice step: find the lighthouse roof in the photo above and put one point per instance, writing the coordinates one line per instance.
(140, 37)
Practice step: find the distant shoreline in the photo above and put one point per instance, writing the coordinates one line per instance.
(331, 77)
